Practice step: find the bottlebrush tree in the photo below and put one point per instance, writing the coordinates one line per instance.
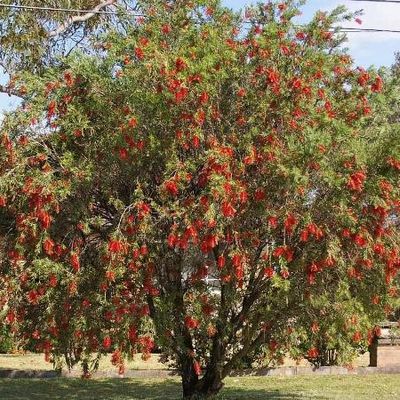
(206, 171)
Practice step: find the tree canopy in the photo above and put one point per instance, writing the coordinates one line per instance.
(211, 183)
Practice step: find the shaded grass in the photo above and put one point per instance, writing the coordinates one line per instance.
(369, 387)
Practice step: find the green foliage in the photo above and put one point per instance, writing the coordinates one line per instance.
(223, 178)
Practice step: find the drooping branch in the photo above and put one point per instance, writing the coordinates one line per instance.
(80, 18)
(10, 91)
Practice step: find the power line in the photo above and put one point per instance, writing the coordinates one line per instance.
(64, 10)
(369, 30)
(379, 1)
(102, 12)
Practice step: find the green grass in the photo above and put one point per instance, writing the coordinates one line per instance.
(37, 362)
(369, 387)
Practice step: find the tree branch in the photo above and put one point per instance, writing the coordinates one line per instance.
(10, 91)
(80, 18)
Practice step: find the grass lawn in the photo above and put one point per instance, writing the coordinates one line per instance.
(37, 362)
(370, 387)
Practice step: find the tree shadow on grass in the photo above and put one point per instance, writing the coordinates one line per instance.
(258, 394)
(123, 389)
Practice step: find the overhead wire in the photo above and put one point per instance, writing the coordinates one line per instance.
(105, 12)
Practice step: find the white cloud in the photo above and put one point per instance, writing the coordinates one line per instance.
(370, 47)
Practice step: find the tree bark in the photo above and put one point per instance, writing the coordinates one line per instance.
(211, 383)
(190, 379)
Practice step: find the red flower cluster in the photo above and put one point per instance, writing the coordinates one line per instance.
(172, 188)
(191, 323)
(356, 181)
(116, 246)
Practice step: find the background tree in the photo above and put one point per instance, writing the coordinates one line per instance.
(209, 172)
(35, 35)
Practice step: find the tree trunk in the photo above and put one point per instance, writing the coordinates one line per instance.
(208, 386)
(190, 379)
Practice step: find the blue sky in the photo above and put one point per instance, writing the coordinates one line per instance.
(366, 48)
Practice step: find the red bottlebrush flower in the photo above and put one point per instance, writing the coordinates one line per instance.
(358, 21)
(86, 303)
(285, 273)
(297, 83)
(116, 357)
(110, 276)
(357, 337)
(379, 249)
(360, 240)
(123, 153)
(143, 41)
(2, 201)
(237, 260)
(166, 29)
(285, 50)
(36, 334)
(356, 181)
(69, 79)
(139, 53)
(273, 222)
(10, 318)
(195, 141)
(329, 261)
(196, 367)
(279, 251)
(375, 299)
(44, 218)
(273, 77)
(191, 323)
(227, 209)
(132, 335)
(346, 233)
(241, 92)
(290, 223)
(313, 353)
(304, 235)
(107, 342)
(203, 98)
(269, 272)
(377, 86)
(180, 64)
(48, 246)
(209, 11)
(221, 262)
(144, 250)
(363, 78)
(132, 123)
(33, 297)
(181, 94)
(314, 327)
(289, 253)
(172, 240)
(259, 194)
(51, 109)
(282, 7)
(115, 246)
(75, 263)
(53, 280)
(171, 187)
